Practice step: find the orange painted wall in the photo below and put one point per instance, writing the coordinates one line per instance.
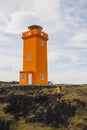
(42, 61)
(29, 48)
(37, 63)
(25, 80)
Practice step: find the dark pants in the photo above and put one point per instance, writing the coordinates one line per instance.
(58, 95)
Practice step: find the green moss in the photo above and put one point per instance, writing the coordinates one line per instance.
(70, 94)
(3, 115)
(21, 125)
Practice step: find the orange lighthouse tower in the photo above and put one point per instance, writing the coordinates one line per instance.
(34, 56)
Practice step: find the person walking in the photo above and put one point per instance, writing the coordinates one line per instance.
(58, 93)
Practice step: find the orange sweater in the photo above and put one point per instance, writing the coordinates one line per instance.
(57, 90)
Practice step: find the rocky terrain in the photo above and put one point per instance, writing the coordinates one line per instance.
(36, 107)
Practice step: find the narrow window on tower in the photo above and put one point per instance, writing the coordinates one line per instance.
(41, 34)
(28, 33)
(42, 76)
(41, 43)
(22, 76)
(29, 57)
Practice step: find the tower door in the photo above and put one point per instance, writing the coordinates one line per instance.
(30, 78)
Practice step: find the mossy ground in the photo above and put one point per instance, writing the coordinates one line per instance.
(76, 95)
(21, 125)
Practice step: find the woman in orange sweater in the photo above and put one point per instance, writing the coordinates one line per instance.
(58, 93)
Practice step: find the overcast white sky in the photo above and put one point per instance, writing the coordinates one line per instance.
(65, 21)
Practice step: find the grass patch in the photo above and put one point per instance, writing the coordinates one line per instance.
(74, 95)
(21, 125)
(3, 115)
